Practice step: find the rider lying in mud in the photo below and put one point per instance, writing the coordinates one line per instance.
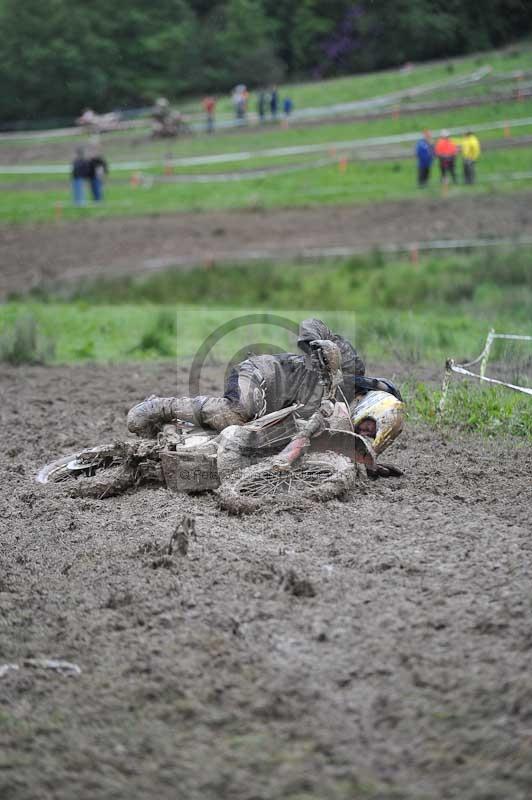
(265, 383)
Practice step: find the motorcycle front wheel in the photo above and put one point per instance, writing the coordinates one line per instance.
(316, 476)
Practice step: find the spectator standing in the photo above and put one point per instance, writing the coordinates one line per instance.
(470, 154)
(240, 101)
(261, 105)
(79, 175)
(274, 102)
(425, 157)
(288, 106)
(209, 106)
(97, 169)
(446, 151)
(245, 101)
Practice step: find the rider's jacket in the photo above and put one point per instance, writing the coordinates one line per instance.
(266, 383)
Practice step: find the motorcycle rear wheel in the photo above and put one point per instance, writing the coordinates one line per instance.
(95, 472)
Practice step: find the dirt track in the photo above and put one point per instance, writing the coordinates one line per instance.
(405, 675)
(36, 253)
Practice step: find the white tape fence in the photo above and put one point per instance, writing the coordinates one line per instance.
(451, 367)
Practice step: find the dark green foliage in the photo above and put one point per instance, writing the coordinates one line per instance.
(112, 55)
(59, 56)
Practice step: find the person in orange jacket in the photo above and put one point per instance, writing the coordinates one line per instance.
(446, 151)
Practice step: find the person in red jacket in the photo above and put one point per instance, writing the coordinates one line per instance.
(209, 106)
(446, 151)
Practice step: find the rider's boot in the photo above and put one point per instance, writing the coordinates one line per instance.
(147, 418)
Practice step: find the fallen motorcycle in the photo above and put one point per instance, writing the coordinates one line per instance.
(279, 457)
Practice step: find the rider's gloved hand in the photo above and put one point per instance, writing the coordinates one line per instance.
(383, 471)
(326, 358)
(327, 408)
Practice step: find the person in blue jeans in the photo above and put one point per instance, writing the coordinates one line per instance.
(96, 170)
(79, 175)
(425, 157)
(274, 102)
(261, 105)
(288, 106)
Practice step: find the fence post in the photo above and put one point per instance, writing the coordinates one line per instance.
(445, 385)
(489, 342)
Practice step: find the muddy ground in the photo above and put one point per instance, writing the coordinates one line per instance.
(377, 647)
(35, 254)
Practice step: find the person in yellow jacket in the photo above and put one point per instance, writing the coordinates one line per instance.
(470, 147)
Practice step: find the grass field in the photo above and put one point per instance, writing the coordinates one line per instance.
(338, 138)
(360, 87)
(393, 310)
(440, 307)
(361, 182)
(82, 332)
(119, 147)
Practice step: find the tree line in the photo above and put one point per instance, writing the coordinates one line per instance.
(59, 56)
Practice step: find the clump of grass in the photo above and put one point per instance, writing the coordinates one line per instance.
(166, 322)
(507, 268)
(490, 411)
(22, 343)
(159, 339)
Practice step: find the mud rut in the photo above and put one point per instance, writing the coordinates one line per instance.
(33, 255)
(373, 648)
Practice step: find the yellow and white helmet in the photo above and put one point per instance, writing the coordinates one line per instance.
(387, 412)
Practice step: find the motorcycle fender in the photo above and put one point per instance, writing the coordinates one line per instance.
(352, 445)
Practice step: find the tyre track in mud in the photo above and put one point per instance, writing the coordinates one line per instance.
(401, 669)
(33, 255)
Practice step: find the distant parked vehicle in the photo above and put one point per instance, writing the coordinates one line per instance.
(99, 123)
